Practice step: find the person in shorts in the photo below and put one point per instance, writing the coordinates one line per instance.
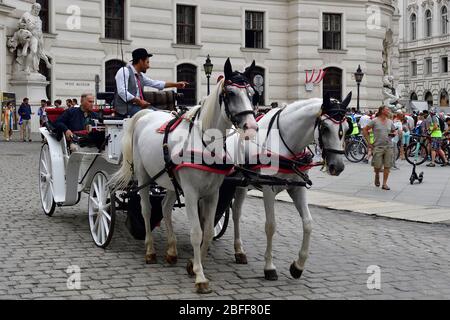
(433, 127)
(383, 130)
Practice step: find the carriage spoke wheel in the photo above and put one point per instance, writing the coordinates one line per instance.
(102, 213)
(46, 182)
(221, 224)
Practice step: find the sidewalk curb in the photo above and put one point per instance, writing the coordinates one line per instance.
(374, 205)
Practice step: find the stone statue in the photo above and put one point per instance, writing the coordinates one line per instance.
(391, 95)
(387, 52)
(28, 42)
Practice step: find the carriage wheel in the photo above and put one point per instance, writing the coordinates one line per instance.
(46, 182)
(221, 224)
(102, 213)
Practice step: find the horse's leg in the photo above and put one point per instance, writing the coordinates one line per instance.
(167, 207)
(194, 266)
(239, 198)
(270, 271)
(146, 208)
(298, 195)
(208, 206)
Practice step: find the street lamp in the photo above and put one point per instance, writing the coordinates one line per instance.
(208, 67)
(359, 75)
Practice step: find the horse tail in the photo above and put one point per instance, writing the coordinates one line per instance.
(123, 176)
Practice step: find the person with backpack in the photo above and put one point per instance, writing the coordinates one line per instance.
(434, 127)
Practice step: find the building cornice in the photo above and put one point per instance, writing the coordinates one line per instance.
(5, 9)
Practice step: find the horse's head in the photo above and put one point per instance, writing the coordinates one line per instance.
(331, 129)
(237, 96)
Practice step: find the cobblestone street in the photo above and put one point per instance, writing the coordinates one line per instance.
(35, 252)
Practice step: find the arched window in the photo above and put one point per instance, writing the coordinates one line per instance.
(111, 68)
(188, 72)
(258, 79)
(44, 15)
(46, 72)
(414, 97)
(428, 24)
(443, 101)
(332, 83)
(413, 27)
(429, 98)
(115, 19)
(444, 19)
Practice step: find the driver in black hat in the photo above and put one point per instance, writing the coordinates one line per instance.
(130, 83)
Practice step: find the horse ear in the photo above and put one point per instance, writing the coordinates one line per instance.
(249, 70)
(326, 100)
(347, 101)
(228, 70)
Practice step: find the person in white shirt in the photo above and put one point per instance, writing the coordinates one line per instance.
(129, 95)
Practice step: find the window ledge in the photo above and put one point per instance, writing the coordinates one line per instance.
(443, 37)
(50, 35)
(186, 46)
(115, 41)
(332, 51)
(257, 50)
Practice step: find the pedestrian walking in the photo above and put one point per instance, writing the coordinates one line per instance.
(435, 130)
(75, 103)
(383, 130)
(25, 113)
(69, 103)
(43, 119)
(8, 117)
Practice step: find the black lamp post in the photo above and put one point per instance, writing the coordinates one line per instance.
(359, 75)
(208, 66)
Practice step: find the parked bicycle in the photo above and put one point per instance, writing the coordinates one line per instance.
(418, 151)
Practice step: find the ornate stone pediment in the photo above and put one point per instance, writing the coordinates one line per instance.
(413, 7)
(443, 2)
(428, 4)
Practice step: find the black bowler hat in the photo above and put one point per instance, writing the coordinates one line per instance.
(140, 54)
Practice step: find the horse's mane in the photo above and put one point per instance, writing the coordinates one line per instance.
(209, 107)
(305, 105)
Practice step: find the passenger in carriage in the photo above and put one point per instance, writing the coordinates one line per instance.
(129, 95)
(77, 119)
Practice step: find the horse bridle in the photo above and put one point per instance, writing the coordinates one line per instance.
(225, 99)
(338, 117)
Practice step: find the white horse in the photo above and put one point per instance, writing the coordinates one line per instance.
(229, 104)
(298, 125)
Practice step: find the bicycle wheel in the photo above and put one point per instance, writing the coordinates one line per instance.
(416, 152)
(356, 151)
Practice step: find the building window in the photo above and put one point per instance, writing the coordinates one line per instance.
(185, 24)
(188, 72)
(444, 64)
(443, 101)
(332, 35)
(429, 98)
(444, 17)
(111, 68)
(413, 27)
(254, 29)
(332, 83)
(428, 24)
(44, 15)
(428, 66)
(414, 68)
(414, 96)
(115, 19)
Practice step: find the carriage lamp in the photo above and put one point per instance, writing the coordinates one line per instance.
(359, 75)
(208, 67)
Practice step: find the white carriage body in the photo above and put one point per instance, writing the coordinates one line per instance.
(73, 173)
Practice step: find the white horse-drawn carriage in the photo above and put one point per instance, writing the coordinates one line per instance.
(135, 164)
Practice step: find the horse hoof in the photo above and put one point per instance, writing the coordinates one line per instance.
(190, 268)
(172, 260)
(203, 288)
(150, 259)
(271, 275)
(241, 258)
(296, 273)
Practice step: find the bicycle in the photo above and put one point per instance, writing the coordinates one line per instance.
(417, 151)
(355, 149)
